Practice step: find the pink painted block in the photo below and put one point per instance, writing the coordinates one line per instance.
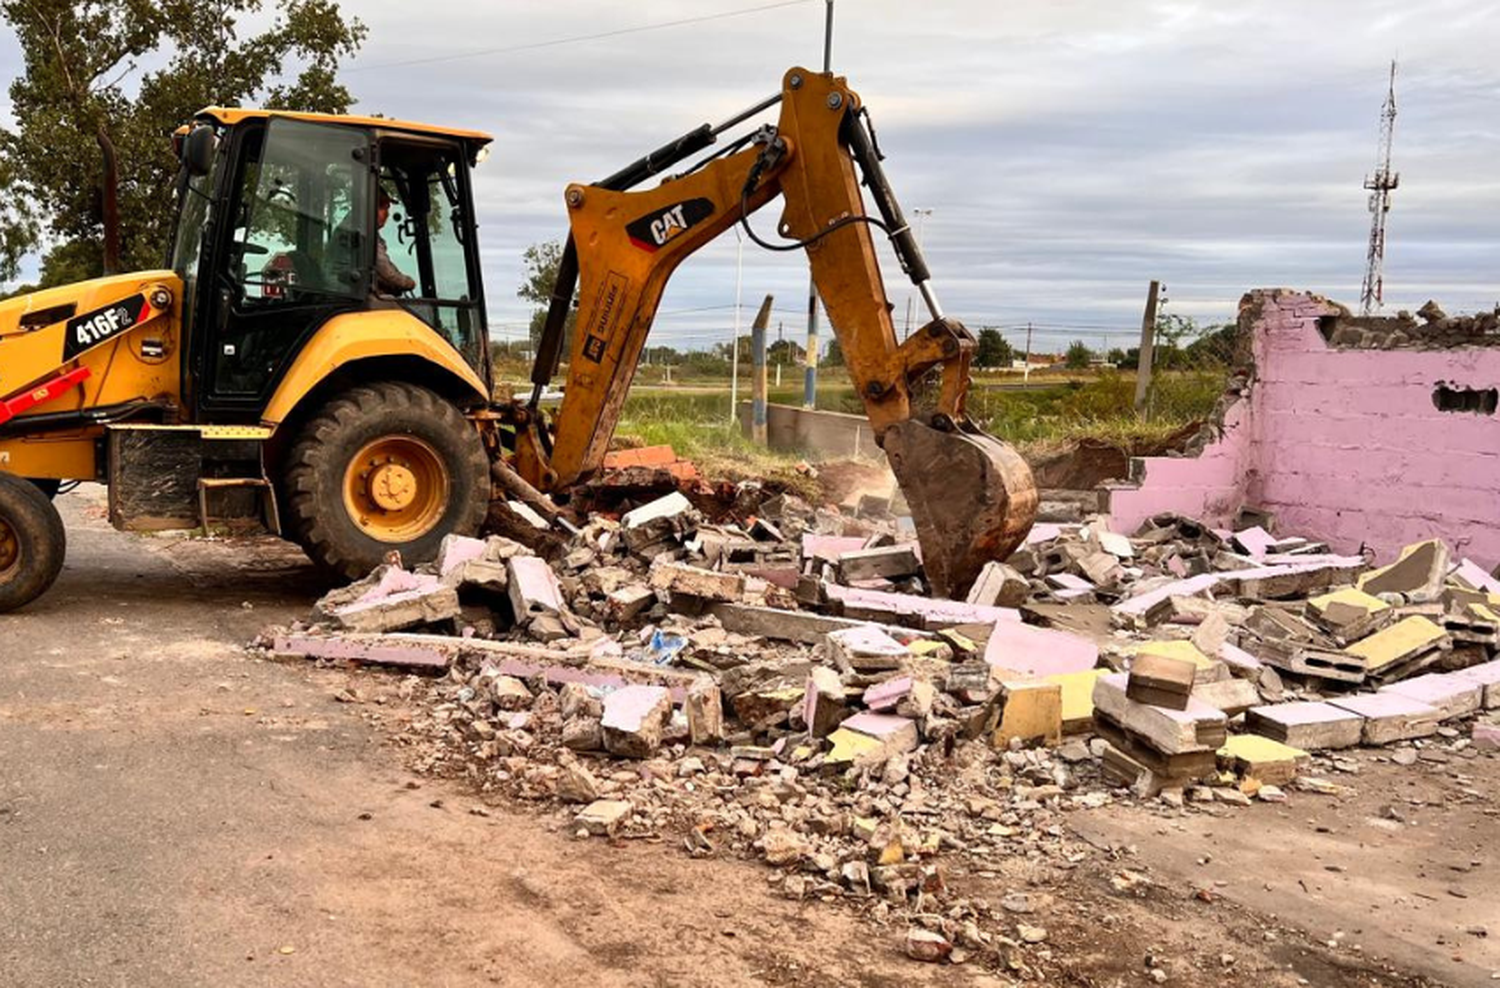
(877, 725)
(397, 580)
(1193, 586)
(1239, 660)
(1454, 695)
(1032, 651)
(1043, 531)
(1255, 541)
(829, 547)
(457, 550)
(1068, 581)
(1472, 575)
(626, 709)
(885, 696)
(1487, 676)
(924, 612)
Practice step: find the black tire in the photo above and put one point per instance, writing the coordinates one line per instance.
(32, 543)
(317, 512)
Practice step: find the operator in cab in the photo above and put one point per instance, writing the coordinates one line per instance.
(389, 280)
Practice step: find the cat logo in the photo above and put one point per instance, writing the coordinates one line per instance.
(659, 228)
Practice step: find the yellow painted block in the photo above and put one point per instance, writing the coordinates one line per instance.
(1369, 603)
(1032, 711)
(1401, 640)
(1261, 758)
(928, 646)
(1183, 650)
(1077, 697)
(848, 746)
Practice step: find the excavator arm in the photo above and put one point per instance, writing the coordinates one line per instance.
(972, 497)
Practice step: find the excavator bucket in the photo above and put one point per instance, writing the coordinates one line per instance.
(972, 497)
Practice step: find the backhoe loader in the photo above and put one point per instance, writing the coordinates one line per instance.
(264, 373)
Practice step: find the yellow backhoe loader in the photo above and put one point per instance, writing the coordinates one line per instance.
(274, 370)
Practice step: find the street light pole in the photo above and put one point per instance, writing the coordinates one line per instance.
(734, 345)
(921, 214)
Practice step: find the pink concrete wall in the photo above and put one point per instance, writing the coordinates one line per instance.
(1343, 445)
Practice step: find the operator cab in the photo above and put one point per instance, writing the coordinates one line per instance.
(277, 234)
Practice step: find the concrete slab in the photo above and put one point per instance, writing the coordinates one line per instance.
(1487, 676)
(1391, 716)
(1454, 695)
(1026, 650)
(1401, 641)
(1312, 726)
(1272, 762)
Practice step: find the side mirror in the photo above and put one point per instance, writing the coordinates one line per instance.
(198, 150)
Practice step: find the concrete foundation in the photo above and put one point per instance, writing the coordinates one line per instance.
(833, 434)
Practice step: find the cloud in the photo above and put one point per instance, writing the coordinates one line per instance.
(1070, 151)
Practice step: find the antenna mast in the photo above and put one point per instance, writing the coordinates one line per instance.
(1380, 185)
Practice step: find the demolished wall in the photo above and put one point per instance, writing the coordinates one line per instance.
(1361, 432)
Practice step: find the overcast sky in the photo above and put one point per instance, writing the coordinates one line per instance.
(1069, 151)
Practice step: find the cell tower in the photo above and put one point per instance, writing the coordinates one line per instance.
(1380, 185)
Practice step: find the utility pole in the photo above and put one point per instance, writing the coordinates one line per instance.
(780, 350)
(734, 346)
(758, 375)
(1026, 373)
(1381, 184)
(810, 385)
(920, 214)
(1148, 346)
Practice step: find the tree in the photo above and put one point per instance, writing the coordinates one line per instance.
(834, 356)
(1117, 357)
(993, 349)
(1078, 356)
(87, 170)
(542, 261)
(785, 352)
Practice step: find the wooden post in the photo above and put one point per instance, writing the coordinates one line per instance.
(758, 373)
(1148, 341)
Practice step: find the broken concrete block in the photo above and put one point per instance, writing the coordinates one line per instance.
(1101, 568)
(577, 784)
(1114, 543)
(1031, 711)
(896, 734)
(1159, 680)
(1211, 634)
(1417, 574)
(1255, 542)
(1450, 692)
(663, 507)
(1398, 644)
(508, 692)
(852, 748)
(1197, 727)
(634, 717)
(582, 732)
(1205, 669)
(533, 587)
(1077, 698)
(889, 562)
(765, 707)
(1307, 725)
(604, 817)
(1486, 736)
(704, 707)
(1240, 662)
(1349, 614)
(908, 609)
(865, 649)
(528, 514)
(823, 708)
(677, 578)
(1026, 650)
(455, 550)
(999, 585)
(885, 696)
(396, 611)
(1153, 606)
(1232, 696)
(625, 603)
(361, 649)
(918, 701)
(1487, 676)
(1255, 757)
(1471, 576)
(1391, 716)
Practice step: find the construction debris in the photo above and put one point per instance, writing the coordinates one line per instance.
(776, 682)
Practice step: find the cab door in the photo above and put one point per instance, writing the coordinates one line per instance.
(297, 251)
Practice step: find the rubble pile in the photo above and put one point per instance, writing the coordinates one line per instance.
(779, 685)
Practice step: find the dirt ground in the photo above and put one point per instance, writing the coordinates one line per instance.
(175, 811)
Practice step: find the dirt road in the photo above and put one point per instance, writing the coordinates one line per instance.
(174, 812)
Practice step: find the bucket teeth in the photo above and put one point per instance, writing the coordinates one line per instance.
(972, 498)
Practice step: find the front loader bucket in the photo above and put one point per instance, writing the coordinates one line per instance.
(972, 497)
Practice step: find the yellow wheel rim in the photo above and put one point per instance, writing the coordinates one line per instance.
(396, 489)
(10, 549)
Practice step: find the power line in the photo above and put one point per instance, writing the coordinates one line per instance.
(535, 45)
